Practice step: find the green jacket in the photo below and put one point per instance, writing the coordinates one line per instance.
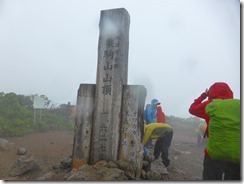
(224, 130)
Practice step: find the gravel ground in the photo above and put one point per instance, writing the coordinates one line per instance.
(50, 148)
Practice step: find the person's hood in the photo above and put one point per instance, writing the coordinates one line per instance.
(159, 108)
(220, 90)
(154, 101)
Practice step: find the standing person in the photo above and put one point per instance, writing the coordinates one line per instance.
(200, 130)
(150, 115)
(145, 114)
(151, 111)
(222, 115)
(160, 115)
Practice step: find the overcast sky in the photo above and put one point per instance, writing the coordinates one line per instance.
(177, 48)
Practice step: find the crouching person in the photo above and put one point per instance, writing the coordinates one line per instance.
(164, 134)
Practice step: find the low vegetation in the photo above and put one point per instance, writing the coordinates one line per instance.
(18, 117)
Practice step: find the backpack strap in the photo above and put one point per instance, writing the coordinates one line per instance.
(205, 133)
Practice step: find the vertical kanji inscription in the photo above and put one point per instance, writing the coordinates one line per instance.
(112, 71)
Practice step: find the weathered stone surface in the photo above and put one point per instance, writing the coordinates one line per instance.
(66, 164)
(146, 165)
(90, 173)
(144, 174)
(48, 176)
(111, 164)
(158, 167)
(115, 112)
(127, 168)
(107, 171)
(21, 151)
(5, 145)
(132, 126)
(83, 124)
(112, 74)
(101, 163)
(153, 175)
(23, 164)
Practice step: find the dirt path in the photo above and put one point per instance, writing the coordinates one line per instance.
(186, 156)
(50, 148)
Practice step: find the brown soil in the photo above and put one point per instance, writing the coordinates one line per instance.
(186, 155)
(50, 148)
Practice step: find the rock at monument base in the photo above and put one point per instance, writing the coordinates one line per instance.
(48, 176)
(90, 173)
(127, 168)
(23, 164)
(66, 164)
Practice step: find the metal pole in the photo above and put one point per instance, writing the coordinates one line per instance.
(40, 114)
(34, 116)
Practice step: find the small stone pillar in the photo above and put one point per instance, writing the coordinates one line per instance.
(132, 126)
(83, 125)
(112, 71)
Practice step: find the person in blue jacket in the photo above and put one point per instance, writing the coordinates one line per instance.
(150, 115)
(150, 112)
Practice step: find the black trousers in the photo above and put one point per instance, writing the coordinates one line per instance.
(214, 170)
(162, 147)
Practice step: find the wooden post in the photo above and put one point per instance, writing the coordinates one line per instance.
(132, 126)
(112, 71)
(83, 125)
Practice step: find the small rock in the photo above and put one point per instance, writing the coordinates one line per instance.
(186, 152)
(101, 163)
(143, 174)
(66, 164)
(48, 176)
(21, 151)
(152, 175)
(56, 167)
(111, 164)
(175, 157)
(146, 165)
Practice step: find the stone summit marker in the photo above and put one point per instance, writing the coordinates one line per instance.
(109, 118)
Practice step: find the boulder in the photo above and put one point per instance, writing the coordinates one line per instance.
(158, 167)
(127, 168)
(23, 164)
(5, 145)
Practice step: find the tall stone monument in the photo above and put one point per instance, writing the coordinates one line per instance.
(112, 71)
(109, 119)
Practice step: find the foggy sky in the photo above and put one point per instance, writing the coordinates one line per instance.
(177, 48)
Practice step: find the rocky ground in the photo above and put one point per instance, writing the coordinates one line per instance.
(50, 148)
